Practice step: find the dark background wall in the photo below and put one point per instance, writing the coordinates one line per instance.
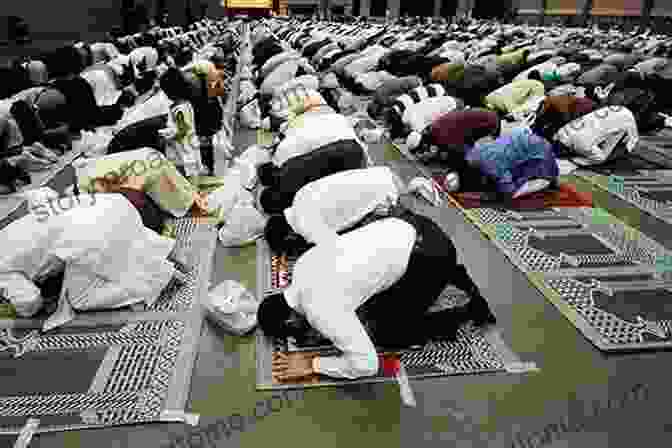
(52, 23)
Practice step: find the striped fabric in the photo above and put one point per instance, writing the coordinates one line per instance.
(416, 96)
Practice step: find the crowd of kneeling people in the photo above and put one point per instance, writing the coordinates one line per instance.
(497, 104)
(155, 99)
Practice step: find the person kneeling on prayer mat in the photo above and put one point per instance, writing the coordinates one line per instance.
(382, 271)
(97, 250)
(284, 182)
(556, 111)
(452, 132)
(514, 165)
(515, 96)
(335, 203)
(601, 136)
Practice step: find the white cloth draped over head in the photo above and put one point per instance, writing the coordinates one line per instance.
(112, 259)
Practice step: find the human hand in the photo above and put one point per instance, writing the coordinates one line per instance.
(293, 366)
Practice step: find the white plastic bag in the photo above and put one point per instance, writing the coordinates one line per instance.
(94, 144)
(221, 144)
(232, 307)
(21, 293)
(39, 196)
(256, 154)
(248, 162)
(227, 196)
(244, 225)
(250, 115)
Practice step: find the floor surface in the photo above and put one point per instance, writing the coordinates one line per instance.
(577, 384)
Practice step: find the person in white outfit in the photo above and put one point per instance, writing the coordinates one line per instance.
(374, 272)
(327, 206)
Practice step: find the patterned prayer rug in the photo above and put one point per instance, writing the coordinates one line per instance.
(649, 191)
(609, 280)
(113, 367)
(476, 351)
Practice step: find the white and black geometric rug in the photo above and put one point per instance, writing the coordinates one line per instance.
(612, 282)
(110, 368)
(648, 190)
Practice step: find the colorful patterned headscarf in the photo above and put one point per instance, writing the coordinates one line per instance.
(499, 159)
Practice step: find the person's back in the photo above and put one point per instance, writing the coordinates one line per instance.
(464, 127)
(356, 266)
(334, 203)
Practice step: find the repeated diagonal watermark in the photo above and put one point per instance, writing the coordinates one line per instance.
(210, 435)
(584, 416)
(138, 168)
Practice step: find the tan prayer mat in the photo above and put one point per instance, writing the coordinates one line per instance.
(114, 367)
(476, 351)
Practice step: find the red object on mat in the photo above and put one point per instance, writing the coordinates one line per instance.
(566, 196)
(390, 365)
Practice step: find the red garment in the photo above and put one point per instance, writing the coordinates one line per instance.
(463, 127)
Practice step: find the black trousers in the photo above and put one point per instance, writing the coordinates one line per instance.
(398, 315)
(299, 171)
(142, 134)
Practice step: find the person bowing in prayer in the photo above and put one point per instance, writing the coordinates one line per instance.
(385, 271)
(327, 206)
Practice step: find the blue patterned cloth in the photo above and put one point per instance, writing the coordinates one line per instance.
(515, 159)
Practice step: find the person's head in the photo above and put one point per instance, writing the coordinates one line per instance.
(65, 61)
(273, 201)
(174, 85)
(498, 129)
(277, 319)
(266, 174)
(277, 233)
(534, 74)
(526, 54)
(420, 141)
(395, 123)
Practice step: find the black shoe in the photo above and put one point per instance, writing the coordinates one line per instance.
(444, 325)
(479, 311)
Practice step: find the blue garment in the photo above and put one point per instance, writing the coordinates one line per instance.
(515, 159)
